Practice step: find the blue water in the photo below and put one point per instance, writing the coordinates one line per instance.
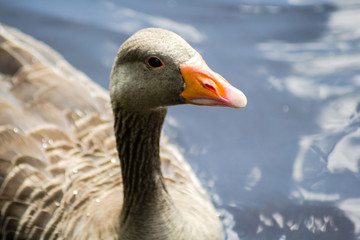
(287, 165)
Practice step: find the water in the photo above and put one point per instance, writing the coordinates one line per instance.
(287, 165)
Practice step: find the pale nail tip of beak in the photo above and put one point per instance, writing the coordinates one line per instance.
(237, 98)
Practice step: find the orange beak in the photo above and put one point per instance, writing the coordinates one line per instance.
(205, 87)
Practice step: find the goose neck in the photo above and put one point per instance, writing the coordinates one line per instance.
(137, 137)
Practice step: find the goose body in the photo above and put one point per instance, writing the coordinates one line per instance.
(76, 165)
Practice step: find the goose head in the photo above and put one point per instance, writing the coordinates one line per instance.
(156, 68)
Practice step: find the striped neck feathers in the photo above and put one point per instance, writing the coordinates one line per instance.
(147, 207)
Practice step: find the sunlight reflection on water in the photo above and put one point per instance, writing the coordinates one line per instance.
(326, 72)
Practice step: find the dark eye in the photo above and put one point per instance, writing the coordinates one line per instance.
(154, 62)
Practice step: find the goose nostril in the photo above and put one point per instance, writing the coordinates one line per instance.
(210, 87)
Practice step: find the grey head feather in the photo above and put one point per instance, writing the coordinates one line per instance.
(134, 85)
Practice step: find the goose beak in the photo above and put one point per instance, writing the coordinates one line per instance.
(205, 87)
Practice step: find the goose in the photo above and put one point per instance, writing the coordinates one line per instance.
(75, 164)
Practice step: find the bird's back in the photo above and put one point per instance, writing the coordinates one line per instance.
(57, 150)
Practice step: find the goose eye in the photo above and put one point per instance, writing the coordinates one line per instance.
(154, 62)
